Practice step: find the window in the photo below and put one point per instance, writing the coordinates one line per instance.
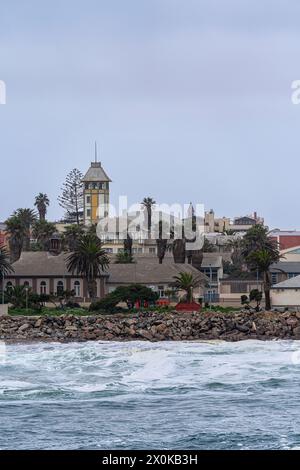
(43, 288)
(88, 199)
(290, 275)
(9, 286)
(274, 278)
(161, 291)
(60, 288)
(211, 273)
(88, 212)
(26, 284)
(152, 250)
(77, 288)
(109, 250)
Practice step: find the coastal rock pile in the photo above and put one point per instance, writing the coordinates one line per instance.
(152, 327)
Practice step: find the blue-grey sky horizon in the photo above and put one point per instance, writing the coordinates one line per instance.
(188, 100)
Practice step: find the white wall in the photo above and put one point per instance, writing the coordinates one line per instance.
(285, 297)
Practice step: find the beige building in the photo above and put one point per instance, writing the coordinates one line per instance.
(286, 294)
(213, 224)
(231, 290)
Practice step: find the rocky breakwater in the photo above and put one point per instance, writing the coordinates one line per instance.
(152, 327)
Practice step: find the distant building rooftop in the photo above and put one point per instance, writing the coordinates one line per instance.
(96, 173)
(285, 233)
(292, 283)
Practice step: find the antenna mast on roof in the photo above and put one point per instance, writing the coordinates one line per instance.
(96, 152)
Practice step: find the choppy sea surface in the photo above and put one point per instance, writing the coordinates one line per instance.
(140, 395)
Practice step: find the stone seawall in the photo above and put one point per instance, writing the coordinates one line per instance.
(152, 327)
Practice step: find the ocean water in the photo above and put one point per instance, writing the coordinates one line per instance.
(140, 395)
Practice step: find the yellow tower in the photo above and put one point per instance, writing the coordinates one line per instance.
(96, 193)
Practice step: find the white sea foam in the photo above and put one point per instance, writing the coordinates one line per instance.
(140, 394)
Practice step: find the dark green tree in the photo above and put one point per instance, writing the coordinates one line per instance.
(89, 260)
(71, 235)
(43, 231)
(187, 282)
(27, 218)
(123, 257)
(41, 203)
(260, 252)
(148, 204)
(71, 199)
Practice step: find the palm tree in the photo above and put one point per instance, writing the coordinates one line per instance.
(16, 234)
(17, 296)
(187, 282)
(27, 218)
(5, 266)
(260, 252)
(161, 243)
(148, 203)
(42, 202)
(71, 235)
(89, 260)
(261, 260)
(43, 231)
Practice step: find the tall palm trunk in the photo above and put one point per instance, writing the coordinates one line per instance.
(42, 214)
(267, 287)
(15, 249)
(26, 243)
(179, 253)
(92, 289)
(161, 249)
(189, 295)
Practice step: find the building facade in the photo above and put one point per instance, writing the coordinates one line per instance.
(286, 238)
(45, 273)
(286, 294)
(96, 194)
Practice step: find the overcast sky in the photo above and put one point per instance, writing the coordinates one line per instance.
(189, 100)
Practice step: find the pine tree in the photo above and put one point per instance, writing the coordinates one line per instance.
(72, 196)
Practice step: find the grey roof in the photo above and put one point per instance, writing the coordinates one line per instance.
(286, 267)
(41, 264)
(285, 233)
(146, 271)
(292, 283)
(96, 173)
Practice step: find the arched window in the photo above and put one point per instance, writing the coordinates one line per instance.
(26, 284)
(60, 288)
(9, 286)
(43, 288)
(77, 288)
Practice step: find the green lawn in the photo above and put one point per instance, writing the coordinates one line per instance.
(48, 311)
(84, 311)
